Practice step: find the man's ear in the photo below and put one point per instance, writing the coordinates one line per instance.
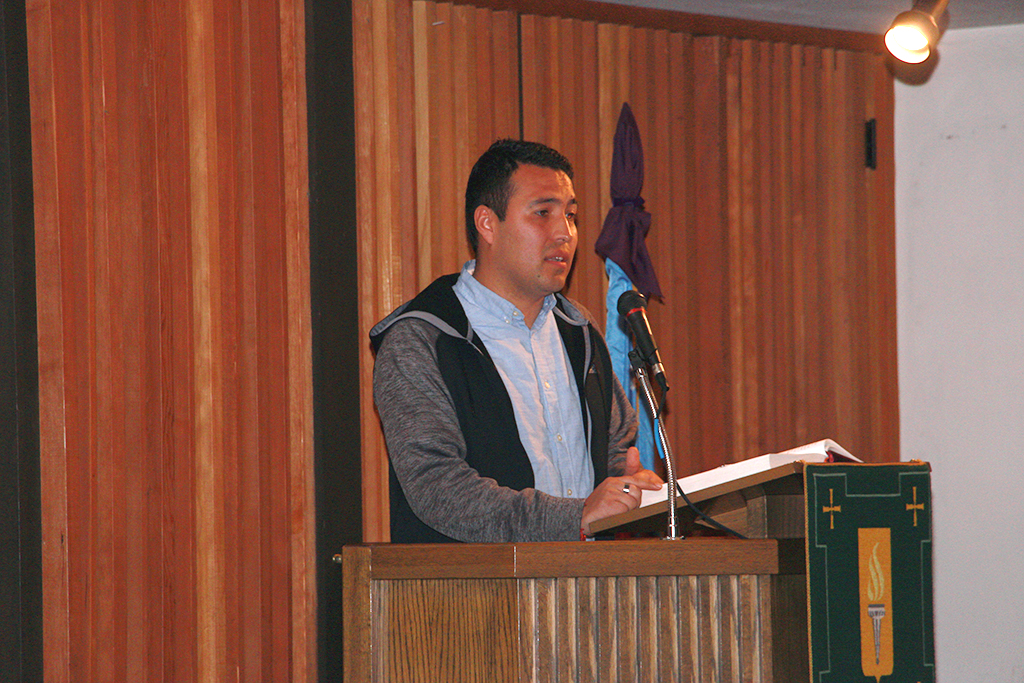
(486, 221)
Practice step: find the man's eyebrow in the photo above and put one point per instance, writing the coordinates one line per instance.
(552, 200)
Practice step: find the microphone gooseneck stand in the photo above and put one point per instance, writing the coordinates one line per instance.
(640, 371)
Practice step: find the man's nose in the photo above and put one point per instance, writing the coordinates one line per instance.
(565, 230)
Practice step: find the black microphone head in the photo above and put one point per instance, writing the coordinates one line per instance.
(630, 300)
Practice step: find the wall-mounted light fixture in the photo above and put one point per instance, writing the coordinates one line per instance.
(914, 33)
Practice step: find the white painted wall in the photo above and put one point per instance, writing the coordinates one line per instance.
(960, 270)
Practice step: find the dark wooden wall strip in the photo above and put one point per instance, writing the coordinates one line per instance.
(21, 593)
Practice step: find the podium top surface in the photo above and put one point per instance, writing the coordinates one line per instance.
(639, 557)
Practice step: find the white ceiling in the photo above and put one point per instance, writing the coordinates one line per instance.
(869, 16)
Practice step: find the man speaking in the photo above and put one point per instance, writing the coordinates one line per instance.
(503, 419)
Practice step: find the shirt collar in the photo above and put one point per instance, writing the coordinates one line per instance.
(472, 291)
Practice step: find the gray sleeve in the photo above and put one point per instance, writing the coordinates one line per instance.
(622, 424)
(428, 452)
(622, 429)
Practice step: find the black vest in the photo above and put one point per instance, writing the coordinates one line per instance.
(484, 409)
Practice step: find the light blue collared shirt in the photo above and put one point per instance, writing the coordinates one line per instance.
(535, 367)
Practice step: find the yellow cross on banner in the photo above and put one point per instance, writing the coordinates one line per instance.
(831, 509)
(915, 506)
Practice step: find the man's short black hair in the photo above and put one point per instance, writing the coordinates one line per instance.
(490, 180)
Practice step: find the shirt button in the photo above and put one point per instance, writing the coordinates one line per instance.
(547, 385)
(568, 492)
(558, 437)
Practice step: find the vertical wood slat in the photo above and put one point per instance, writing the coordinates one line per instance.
(174, 335)
(560, 625)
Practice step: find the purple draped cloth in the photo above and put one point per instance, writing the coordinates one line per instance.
(623, 236)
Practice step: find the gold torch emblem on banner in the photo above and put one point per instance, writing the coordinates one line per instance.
(875, 555)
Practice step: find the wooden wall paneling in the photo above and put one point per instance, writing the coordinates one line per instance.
(734, 239)
(168, 342)
(135, 111)
(71, 316)
(779, 389)
(481, 52)
(423, 61)
(750, 288)
(766, 259)
(798, 225)
(808, 260)
(444, 205)
(582, 141)
(591, 184)
(374, 29)
(235, 265)
(673, 242)
(450, 127)
(467, 42)
(53, 470)
(504, 96)
(828, 267)
(206, 325)
(847, 266)
(529, 39)
(107, 607)
(541, 79)
(854, 75)
(300, 498)
(609, 103)
(880, 187)
(174, 300)
(834, 313)
(712, 310)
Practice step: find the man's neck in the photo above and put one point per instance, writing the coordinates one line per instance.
(530, 307)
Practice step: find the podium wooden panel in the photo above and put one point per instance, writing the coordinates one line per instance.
(701, 610)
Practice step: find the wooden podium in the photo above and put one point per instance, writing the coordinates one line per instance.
(700, 609)
(638, 610)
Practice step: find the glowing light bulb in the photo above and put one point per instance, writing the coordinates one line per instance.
(912, 36)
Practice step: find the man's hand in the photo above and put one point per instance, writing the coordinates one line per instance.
(616, 495)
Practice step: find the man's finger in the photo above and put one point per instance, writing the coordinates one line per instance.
(633, 461)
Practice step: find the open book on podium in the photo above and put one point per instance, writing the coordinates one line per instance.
(756, 497)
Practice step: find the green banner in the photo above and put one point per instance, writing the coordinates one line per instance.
(869, 572)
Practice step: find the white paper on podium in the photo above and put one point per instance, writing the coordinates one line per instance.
(825, 450)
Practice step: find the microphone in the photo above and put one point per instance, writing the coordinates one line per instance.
(633, 307)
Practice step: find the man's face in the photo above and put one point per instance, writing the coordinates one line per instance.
(529, 254)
